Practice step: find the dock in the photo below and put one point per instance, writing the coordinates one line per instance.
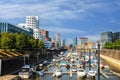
(70, 73)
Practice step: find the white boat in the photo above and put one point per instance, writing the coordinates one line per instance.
(53, 60)
(104, 66)
(81, 73)
(91, 74)
(57, 73)
(74, 70)
(26, 72)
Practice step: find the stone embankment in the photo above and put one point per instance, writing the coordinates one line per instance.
(112, 58)
(10, 77)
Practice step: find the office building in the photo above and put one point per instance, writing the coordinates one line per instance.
(75, 42)
(46, 34)
(32, 22)
(116, 36)
(106, 37)
(83, 42)
(62, 42)
(38, 35)
(7, 27)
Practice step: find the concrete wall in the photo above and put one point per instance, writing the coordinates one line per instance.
(111, 53)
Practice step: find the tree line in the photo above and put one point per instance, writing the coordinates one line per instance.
(19, 41)
(113, 45)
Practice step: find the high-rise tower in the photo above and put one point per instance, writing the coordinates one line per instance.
(32, 22)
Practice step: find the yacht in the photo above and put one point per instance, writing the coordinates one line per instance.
(81, 73)
(57, 73)
(26, 72)
(91, 74)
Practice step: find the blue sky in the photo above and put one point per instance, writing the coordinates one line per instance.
(70, 18)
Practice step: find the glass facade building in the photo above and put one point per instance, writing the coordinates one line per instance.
(116, 36)
(106, 37)
(7, 27)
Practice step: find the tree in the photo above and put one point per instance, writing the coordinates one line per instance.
(5, 41)
(12, 41)
(21, 41)
(117, 44)
(31, 42)
(41, 44)
(108, 45)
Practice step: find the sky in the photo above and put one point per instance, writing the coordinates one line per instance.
(69, 18)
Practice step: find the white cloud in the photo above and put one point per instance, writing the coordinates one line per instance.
(93, 37)
(63, 30)
(49, 9)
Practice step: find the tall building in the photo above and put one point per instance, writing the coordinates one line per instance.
(46, 34)
(7, 27)
(38, 35)
(75, 42)
(56, 41)
(116, 36)
(62, 42)
(106, 37)
(32, 22)
(83, 42)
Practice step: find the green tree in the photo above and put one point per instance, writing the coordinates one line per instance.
(31, 43)
(117, 44)
(21, 41)
(5, 40)
(41, 44)
(108, 45)
(12, 41)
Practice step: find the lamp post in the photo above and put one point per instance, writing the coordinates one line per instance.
(89, 59)
(98, 45)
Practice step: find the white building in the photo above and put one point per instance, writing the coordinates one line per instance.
(37, 34)
(22, 25)
(32, 22)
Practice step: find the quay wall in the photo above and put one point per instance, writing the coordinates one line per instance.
(111, 53)
(112, 58)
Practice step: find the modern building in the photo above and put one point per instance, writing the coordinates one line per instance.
(7, 27)
(116, 36)
(63, 43)
(91, 45)
(106, 37)
(83, 42)
(22, 25)
(75, 42)
(48, 44)
(38, 35)
(32, 22)
(46, 34)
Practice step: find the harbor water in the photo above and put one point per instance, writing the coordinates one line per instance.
(66, 76)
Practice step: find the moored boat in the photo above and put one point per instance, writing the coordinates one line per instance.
(26, 72)
(81, 73)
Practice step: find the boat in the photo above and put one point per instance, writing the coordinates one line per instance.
(26, 72)
(81, 73)
(57, 73)
(91, 74)
(74, 70)
(104, 66)
(63, 63)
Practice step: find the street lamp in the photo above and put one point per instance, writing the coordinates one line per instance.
(98, 52)
(89, 59)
